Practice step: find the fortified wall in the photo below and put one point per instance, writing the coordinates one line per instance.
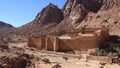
(70, 40)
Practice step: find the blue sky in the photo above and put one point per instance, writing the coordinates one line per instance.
(20, 12)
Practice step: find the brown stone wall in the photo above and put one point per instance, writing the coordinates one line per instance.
(102, 35)
(43, 40)
(49, 43)
(36, 42)
(79, 43)
(52, 44)
(64, 45)
(83, 42)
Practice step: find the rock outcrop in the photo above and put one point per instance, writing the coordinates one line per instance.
(14, 57)
(107, 16)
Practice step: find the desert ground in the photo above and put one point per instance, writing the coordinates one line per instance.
(47, 60)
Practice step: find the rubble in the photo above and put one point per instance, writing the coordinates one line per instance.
(3, 46)
(14, 57)
(56, 66)
(46, 60)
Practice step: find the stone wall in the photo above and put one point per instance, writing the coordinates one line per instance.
(37, 42)
(82, 42)
(52, 44)
(65, 45)
(78, 44)
(100, 58)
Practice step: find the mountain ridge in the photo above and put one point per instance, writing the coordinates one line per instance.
(49, 17)
(5, 25)
(74, 15)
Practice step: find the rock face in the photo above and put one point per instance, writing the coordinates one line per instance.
(76, 14)
(91, 13)
(108, 16)
(5, 25)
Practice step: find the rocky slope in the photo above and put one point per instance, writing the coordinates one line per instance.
(108, 16)
(92, 13)
(6, 29)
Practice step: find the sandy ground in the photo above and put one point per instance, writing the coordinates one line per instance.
(70, 63)
(58, 59)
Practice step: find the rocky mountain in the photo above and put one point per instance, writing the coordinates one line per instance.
(75, 14)
(4, 25)
(48, 18)
(92, 13)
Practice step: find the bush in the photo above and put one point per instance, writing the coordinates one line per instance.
(99, 52)
(109, 54)
(102, 52)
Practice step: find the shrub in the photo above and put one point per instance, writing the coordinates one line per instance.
(102, 52)
(109, 54)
